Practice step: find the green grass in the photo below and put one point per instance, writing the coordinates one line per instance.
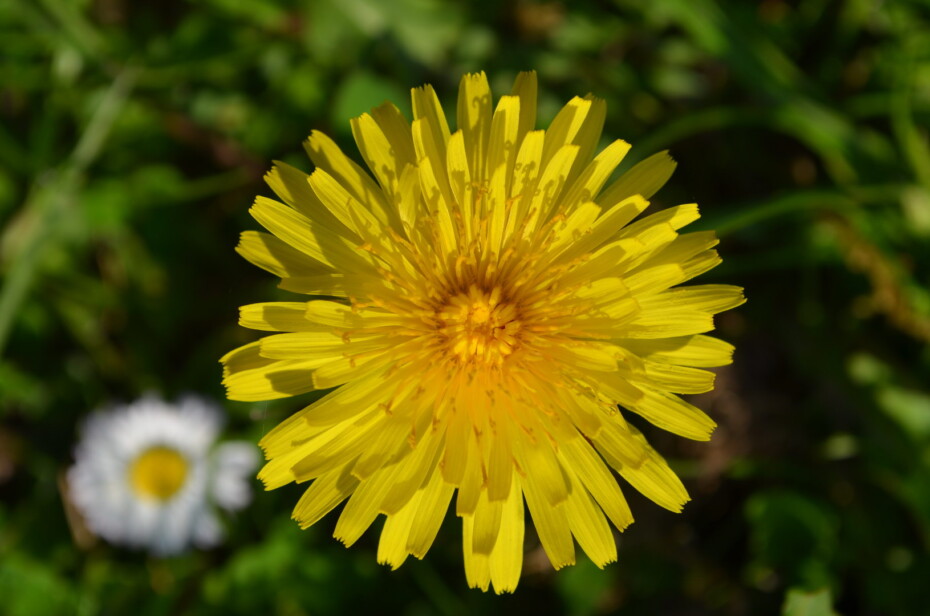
(133, 137)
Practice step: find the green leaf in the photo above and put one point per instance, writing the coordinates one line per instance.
(359, 93)
(911, 409)
(793, 534)
(31, 588)
(803, 603)
(584, 586)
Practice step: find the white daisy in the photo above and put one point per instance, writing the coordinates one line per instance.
(148, 474)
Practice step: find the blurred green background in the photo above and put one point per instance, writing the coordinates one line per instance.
(133, 137)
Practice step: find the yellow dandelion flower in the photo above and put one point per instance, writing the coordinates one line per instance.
(491, 309)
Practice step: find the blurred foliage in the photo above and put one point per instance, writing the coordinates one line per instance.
(133, 137)
(799, 603)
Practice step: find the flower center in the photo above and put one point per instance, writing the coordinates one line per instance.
(479, 327)
(158, 473)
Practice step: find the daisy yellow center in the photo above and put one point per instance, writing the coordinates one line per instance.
(479, 327)
(158, 473)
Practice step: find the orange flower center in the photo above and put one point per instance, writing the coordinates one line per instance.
(478, 327)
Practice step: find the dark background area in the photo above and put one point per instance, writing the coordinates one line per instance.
(133, 138)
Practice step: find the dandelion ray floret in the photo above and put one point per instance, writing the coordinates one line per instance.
(495, 303)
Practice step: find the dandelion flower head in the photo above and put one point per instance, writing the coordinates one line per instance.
(493, 310)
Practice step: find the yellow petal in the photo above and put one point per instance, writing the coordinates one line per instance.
(246, 357)
(471, 486)
(578, 455)
(545, 194)
(276, 316)
(407, 198)
(586, 187)
(640, 248)
(460, 180)
(578, 223)
(669, 412)
(712, 298)
(363, 321)
(336, 285)
(607, 226)
(551, 525)
(618, 445)
(313, 454)
(415, 468)
(647, 281)
(477, 568)
(290, 184)
(656, 481)
(344, 404)
(327, 156)
(396, 129)
(525, 174)
(392, 547)
(524, 87)
(474, 120)
(272, 255)
(487, 524)
(437, 199)
(537, 459)
(323, 495)
(667, 322)
(434, 502)
(614, 386)
(316, 348)
(679, 379)
(320, 244)
(619, 256)
(428, 110)
(458, 438)
(584, 412)
(589, 136)
(500, 466)
(696, 351)
(388, 443)
(589, 357)
(506, 560)
(362, 508)
(588, 525)
(346, 369)
(502, 146)
(338, 446)
(578, 122)
(344, 206)
(677, 217)
(644, 179)
(688, 254)
(686, 246)
(280, 379)
(699, 264)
